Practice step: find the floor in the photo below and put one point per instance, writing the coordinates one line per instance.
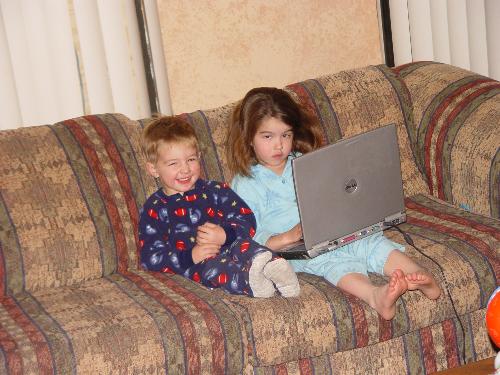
(484, 367)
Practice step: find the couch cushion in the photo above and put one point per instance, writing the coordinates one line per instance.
(345, 104)
(326, 320)
(70, 195)
(423, 351)
(171, 322)
(133, 323)
(457, 133)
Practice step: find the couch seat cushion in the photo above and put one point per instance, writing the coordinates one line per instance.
(166, 322)
(137, 322)
(324, 319)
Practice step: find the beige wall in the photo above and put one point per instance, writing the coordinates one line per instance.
(217, 50)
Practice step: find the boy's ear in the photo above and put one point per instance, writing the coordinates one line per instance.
(151, 169)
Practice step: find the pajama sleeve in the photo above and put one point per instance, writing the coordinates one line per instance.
(156, 252)
(238, 219)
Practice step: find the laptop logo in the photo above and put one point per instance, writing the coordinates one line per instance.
(351, 186)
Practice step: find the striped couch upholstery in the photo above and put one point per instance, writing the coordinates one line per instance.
(73, 299)
(455, 134)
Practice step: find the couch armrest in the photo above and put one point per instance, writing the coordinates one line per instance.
(456, 133)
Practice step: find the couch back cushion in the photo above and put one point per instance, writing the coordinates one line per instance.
(345, 103)
(70, 193)
(457, 133)
(69, 200)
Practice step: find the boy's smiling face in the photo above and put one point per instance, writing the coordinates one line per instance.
(177, 166)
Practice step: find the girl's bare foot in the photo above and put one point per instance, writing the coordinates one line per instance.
(425, 282)
(386, 296)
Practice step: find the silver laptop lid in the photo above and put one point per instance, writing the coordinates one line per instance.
(348, 185)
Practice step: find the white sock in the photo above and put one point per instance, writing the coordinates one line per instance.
(261, 286)
(281, 273)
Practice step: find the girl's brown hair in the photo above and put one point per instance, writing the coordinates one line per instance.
(257, 105)
(166, 129)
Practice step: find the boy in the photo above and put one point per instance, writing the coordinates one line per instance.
(202, 229)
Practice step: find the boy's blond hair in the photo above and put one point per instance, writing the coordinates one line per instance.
(166, 129)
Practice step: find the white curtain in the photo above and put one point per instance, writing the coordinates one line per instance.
(66, 58)
(464, 33)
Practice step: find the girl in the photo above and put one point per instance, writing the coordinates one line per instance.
(269, 129)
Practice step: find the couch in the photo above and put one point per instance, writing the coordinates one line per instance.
(74, 300)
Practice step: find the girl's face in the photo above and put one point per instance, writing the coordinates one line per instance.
(178, 167)
(272, 143)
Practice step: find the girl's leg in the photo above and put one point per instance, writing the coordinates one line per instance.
(381, 298)
(417, 277)
(348, 267)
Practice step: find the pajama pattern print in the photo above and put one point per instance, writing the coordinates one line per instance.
(167, 235)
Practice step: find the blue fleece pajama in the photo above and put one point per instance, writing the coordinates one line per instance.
(168, 227)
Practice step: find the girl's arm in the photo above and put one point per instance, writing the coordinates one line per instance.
(281, 240)
(254, 196)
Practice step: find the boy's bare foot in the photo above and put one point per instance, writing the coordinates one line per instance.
(425, 282)
(385, 297)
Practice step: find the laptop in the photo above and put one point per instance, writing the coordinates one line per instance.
(347, 191)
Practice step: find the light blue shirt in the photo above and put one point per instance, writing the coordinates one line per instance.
(271, 197)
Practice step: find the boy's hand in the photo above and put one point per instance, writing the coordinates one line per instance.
(210, 233)
(202, 252)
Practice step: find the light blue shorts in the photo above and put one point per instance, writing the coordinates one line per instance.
(368, 254)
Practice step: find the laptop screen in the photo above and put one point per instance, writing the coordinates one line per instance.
(349, 185)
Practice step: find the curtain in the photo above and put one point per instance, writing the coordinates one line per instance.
(66, 58)
(463, 33)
